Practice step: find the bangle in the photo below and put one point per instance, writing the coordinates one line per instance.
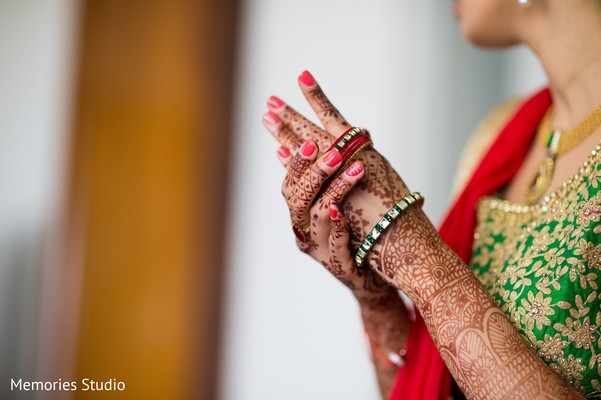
(343, 139)
(393, 360)
(385, 222)
(349, 144)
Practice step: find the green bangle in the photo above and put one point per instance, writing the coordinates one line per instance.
(384, 223)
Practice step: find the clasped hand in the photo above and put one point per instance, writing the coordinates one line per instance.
(329, 226)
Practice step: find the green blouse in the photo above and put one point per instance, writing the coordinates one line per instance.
(542, 265)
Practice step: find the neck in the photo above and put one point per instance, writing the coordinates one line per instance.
(566, 43)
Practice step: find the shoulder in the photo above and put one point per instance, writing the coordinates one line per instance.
(481, 140)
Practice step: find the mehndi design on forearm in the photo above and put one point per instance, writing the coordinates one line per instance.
(483, 350)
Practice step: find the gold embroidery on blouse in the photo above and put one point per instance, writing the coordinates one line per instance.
(542, 264)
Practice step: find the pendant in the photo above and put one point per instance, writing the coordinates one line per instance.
(542, 180)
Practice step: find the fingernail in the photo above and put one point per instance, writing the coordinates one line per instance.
(333, 211)
(308, 148)
(307, 79)
(275, 102)
(332, 158)
(271, 118)
(355, 169)
(283, 152)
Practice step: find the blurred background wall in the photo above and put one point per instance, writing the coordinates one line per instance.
(38, 41)
(116, 163)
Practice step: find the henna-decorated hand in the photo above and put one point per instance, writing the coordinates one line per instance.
(380, 187)
(325, 242)
(383, 312)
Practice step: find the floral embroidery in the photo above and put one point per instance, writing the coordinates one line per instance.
(542, 266)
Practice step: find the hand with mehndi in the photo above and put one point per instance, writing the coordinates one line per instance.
(355, 198)
(379, 189)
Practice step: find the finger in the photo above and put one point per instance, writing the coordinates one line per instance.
(300, 198)
(298, 125)
(339, 236)
(284, 156)
(343, 184)
(299, 164)
(329, 115)
(281, 132)
(335, 194)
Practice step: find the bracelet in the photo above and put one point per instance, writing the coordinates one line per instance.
(392, 360)
(385, 222)
(343, 139)
(349, 144)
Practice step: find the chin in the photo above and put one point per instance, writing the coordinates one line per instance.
(488, 38)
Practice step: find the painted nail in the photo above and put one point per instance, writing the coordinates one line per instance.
(332, 158)
(355, 169)
(270, 118)
(333, 211)
(308, 148)
(283, 152)
(307, 79)
(275, 102)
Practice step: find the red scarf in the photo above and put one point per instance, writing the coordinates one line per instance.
(425, 376)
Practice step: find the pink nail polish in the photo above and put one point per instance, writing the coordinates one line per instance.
(275, 102)
(308, 148)
(355, 169)
(332, 158)
(307, 79)
(283, 152)
(333, 212)
(270, 118)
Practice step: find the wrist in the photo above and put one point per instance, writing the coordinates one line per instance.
(385, 299)
(415, 260)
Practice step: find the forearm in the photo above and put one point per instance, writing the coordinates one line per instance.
(387, 325)
(482, 349)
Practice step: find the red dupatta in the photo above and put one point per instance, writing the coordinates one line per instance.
(425, 376)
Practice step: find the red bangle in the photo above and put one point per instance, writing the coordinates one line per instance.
(351, 142)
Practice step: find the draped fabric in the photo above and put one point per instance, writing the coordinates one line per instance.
(425, 376)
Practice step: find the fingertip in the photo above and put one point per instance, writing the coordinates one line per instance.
(284, 156)
(308, 148)
(354, 170)
(332, 158)
(334, 211)
(270, 119)
(283, 152)
(306, 78)
(275, 103)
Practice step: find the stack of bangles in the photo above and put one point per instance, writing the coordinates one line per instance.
(349, 144)
(385, 222)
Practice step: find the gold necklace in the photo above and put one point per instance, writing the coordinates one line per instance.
(558, 142)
